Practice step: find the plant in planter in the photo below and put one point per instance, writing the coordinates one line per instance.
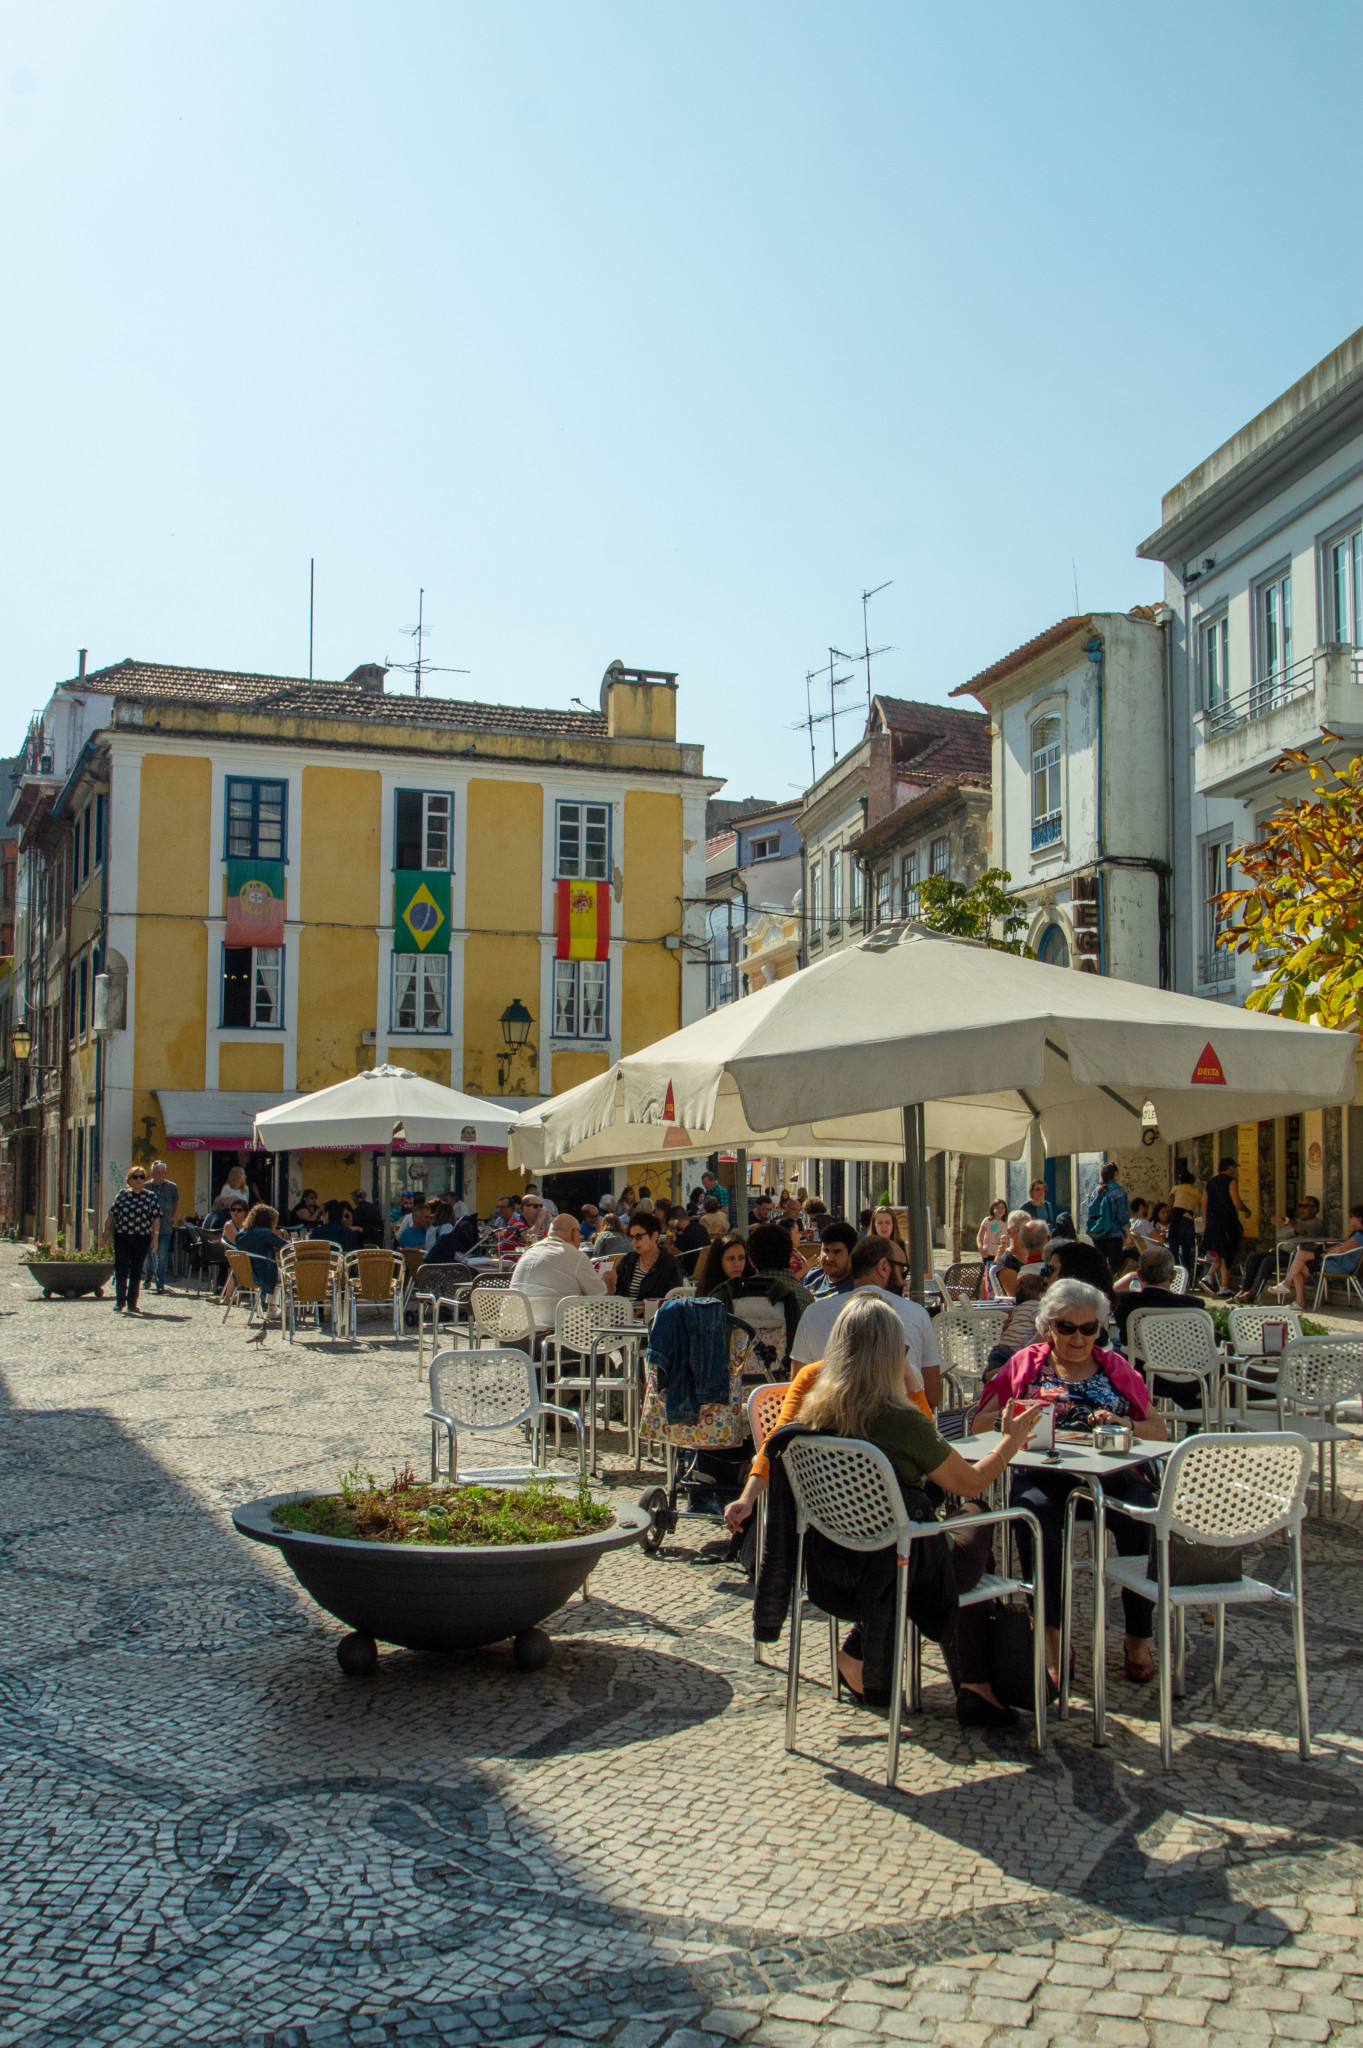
(58, 1269)
(440, 1567)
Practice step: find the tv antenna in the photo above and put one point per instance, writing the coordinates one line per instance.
(829, 717)
(868, 653)
(421, 667)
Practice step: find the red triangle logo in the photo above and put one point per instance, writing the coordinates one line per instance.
(669, 1107)
(1208, 1069)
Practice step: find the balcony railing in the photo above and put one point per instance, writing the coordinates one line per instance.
(1261, 698)
(1045, 831)
(1215, 968)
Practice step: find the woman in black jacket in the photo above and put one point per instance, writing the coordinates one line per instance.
(647, 1271)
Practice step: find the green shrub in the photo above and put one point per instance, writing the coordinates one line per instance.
(409, 1511)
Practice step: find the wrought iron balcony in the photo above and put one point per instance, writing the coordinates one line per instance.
(1243, 735)
(1045, 831)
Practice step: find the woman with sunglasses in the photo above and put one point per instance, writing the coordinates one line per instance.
(132, 1224)
(1088, 1385)
(648, 1270)
(235, 1221)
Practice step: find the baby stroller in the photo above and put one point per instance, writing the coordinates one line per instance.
(709, 1459)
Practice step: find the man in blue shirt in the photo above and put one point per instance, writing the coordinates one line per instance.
(836, 1243)
(416, 1230)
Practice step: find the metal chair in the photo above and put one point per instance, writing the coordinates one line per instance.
(1315, 1374)
(588, 1327)
(482, 1391)
(1247, 1323)
(374, 1279)
(439, 1288)
(1179, 1344)
(1353, 1291)
(848, 1491)
(965, 1337)
(309, 1282)
(498, 1315)
(1224, 1491)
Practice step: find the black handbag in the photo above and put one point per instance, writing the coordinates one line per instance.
(1011, 1668)
(1200, 1564)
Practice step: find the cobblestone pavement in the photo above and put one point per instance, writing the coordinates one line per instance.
(211, 1836)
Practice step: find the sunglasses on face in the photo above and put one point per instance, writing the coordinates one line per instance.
(638, 1236)
(1075, 1329)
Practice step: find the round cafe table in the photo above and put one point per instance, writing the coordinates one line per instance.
(1089, 1468)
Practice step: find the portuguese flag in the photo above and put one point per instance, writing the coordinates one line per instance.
(421, 912)
(255, 903)
(583, 921)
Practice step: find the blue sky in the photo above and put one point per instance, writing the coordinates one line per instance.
(650, 331)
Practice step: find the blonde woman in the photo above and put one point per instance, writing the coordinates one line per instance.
(860, 1393)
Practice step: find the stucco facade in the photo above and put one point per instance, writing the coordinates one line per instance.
(506, 800)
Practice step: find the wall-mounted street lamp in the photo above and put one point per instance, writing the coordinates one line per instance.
(20, 1042)
(515, 1021)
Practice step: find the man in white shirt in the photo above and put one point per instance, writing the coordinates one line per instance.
(878, 1267)
(555, 1270)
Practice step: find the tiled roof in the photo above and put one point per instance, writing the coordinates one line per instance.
(160, 682)
(887, 829)
(902, 714)
(951, 753)
(938, 737)
(1054, 636)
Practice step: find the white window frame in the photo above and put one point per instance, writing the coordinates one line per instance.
(1213, 666)
(421, 981)
(1272, 635)
(1215, 966)
(834, 889)
(855, 883)
(939, 856)
(437, 818)
(885, 893)
(908, 884)
(1046, 783)
(574, 820)
(266, 989)
(816, 902)
(764, 849)
(1342, 584)
(582, 1000)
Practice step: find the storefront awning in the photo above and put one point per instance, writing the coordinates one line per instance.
(212, 1119)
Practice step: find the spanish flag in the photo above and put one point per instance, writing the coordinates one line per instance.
(583, 921)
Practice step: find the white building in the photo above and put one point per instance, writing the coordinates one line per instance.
(1262, 546)
(1080, 774)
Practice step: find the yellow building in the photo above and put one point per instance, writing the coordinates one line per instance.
(426, 853)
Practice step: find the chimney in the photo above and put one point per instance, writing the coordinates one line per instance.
(639, 703)
(368, 677)
(83, 652)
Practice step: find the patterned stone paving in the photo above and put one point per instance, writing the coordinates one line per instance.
(211, 1836)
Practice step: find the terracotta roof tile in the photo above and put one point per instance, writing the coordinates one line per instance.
(160, 682)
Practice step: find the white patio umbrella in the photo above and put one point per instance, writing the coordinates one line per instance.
(375, 1108)
(985, 1041)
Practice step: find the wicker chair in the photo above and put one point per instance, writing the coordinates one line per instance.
(964, 1282)
(310, 1283)
(374, 1279)
(481, 1391)
(1226, 1492)
(247, 1270)
(849, 1492)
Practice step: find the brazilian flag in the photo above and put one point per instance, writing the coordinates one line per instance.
(421, 912)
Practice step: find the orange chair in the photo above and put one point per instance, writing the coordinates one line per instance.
(375, 1278)
(310, 1282)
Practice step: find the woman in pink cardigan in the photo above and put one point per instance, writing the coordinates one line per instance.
(1089, 1385)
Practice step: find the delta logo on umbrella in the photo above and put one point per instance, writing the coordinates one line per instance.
(1209, 1071)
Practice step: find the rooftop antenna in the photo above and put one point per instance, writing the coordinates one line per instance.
(866, 597)
(312, 574)
(421, 667)
(829, 717)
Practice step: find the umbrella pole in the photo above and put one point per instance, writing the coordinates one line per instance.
(915, 1192)
(388, 1193)
(740, 1215)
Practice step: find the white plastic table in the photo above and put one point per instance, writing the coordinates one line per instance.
(1088, 1468)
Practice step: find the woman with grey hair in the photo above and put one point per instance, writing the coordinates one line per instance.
(1088, 1385)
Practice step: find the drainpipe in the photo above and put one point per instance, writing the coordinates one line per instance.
(1094, 651)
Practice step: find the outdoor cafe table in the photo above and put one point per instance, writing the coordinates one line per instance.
(1089, 1468)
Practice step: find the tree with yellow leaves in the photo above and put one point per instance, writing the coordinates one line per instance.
(1300, 911)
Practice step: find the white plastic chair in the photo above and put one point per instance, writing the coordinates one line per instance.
(1315, 1374)
(498, 1315)
(764, 1406)
(481, 1391)
(1247, 1321)
(848, 1490)
(1179, 1283)
(1353, 1290)
(965, 1337)
(1179, 1344)
(1223, 1491)
(589, 1328)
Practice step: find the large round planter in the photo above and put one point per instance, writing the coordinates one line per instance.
(71, 1276)
(436, 1596)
